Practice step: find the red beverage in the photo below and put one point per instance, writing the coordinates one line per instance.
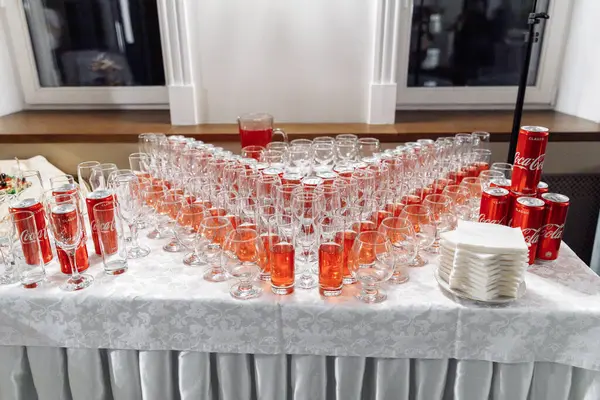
(331, 258)
(66, 189)
(40, 222)
(380, 215)
(481, 166)
(233, 219)
(542, 188)
(553, 225)
(364, 226)
(327, 176)
(528, 214)
(348, 238)
(282, 268)
(471, 170)
(395, 209)
(456, 177)
(64, 216)
(438, 185)
(410, 199)
(217, 212)
(267, 239)
(257, 137)
(421, 193)
(529, 159)
(494, 206)
(93, 198)
(291, 178)
(500, 183)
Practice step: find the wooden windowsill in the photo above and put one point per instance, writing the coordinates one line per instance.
(124, 126)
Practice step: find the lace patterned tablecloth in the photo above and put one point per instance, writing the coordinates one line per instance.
(160, 304)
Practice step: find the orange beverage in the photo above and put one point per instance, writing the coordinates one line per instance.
(331, 265)
(423, 192)
(394, 208)
(267, 239)
(364, 226)
(282, 268)
(410, 199)
(189, 198)
(347, 237)
(248, 225)
(234, 219)
(471, 170)
(217, 212)
(438, 186)
(380, 215)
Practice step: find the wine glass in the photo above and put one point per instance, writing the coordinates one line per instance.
(187, 228)
(488, 176)
(307, 208)
(442, 208)
(371, 261)
(323, 155)
(151, 196)
(167, 207)
(346, 149)
(423, 223)
(253, 152)
(84, 173)
(473, 185)
(100, 174)
(128, 193)
(243, 252)
(505, 168)
(403, 239)
(139, 163)
(214, 230)
(460, 196)
(299, 157)
(65, 224)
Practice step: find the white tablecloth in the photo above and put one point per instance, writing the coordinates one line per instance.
(160, 307)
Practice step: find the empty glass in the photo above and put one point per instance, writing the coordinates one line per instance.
(128, 193)
(84, 173)
(368, 149)
(243, 253)
(371, 261)
(100, 174)
(423, 223)
(505, 168)
(402, 237)
(214, 230)
(167, 207)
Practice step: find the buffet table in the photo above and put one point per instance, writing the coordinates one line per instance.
(161, 332)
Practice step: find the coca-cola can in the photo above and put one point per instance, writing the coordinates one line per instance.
(542, 188)
(494, 206)
(553, 225)
(528, 214)
(93, 198)
(65, 215)
(37, 209)
(67, 188)
(529, 159)
(500, 183)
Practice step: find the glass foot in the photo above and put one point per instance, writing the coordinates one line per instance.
(155, 234)
(349, 280)
(9, 278)
(371, 296)
(72, 285)
(245, 293)
(281, 290)
(116, 268)
(417, 262)
(172, 247)
(138, 252)
(399, 278)
(193, 260)
(216, 275)
(330, 292)
(306, 282)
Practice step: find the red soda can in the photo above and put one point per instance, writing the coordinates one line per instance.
(500, 183)
(494, 206)
(93, 198)
(291, 178)
(512, 198)
(67, 188)
(529, 159)
(528, 214)
(542, 188)
(65, 216)
(553, 225)
(37, 209)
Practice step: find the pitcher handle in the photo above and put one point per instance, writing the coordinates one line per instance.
(281, 132)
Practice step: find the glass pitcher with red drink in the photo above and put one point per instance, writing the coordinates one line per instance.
(256, 129)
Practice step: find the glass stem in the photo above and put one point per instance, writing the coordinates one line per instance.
(134, 234)
(369, 290)
(245, 286)
(73, 261)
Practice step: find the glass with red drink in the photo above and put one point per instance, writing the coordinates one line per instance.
(256, 129)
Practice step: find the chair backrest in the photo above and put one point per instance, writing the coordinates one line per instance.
(584, 192)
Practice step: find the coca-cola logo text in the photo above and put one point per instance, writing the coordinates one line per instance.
(490, 221)
(29, 237)
(552, 231)
(103, 226)
(532, 236)
(532, 164)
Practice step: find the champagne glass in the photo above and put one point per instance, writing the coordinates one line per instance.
(84, 173)
(129, 198)
(403, 239)
(214, 230)
(423, 223)
(65, 224)
(442, 208)
(371, 261)
(187, 228)
(243, 253)
(331, 256)
(281, 253)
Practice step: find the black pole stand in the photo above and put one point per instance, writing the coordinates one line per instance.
(533, 37)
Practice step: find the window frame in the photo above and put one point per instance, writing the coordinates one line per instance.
(541, 95)
(36, 96)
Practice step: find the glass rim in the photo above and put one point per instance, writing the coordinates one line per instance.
(223, 222)
(255, 117)
(438, 196)
(420, 207)
(253, 147)
(87, 164)
(28, 214)
(242, 230)
(389, 220)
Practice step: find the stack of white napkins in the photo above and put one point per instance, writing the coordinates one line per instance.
(484, 261)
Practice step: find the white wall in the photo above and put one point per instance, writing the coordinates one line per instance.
(579, 87)
(11, 99)
(300, 60)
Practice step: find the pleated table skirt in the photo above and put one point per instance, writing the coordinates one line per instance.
(54, 373)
